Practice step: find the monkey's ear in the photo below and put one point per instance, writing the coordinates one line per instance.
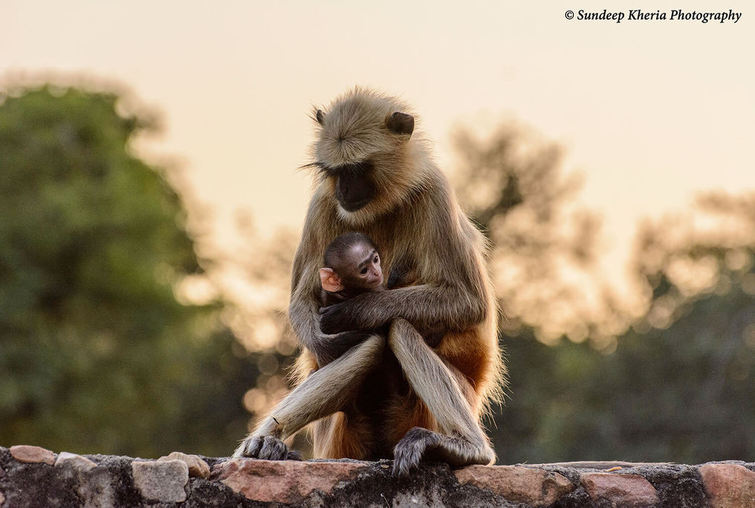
(319, 115)
(330, 281)
(400, 123)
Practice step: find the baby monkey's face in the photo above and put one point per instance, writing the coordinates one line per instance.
(362, 267)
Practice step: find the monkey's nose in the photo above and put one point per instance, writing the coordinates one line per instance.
(377, 278)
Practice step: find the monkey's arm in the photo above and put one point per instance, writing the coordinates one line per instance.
(425, 306)
(452, 287)
(332, 347)
(453, 303)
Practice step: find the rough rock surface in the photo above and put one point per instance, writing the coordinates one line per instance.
(32, 454)
(729, 485)
(284, 481)
(198, 468)
(162, 481)
(518, 483)
(628, 490)
(74, 461)
(123, 481)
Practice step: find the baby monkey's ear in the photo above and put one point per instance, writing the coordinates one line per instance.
(330, 281)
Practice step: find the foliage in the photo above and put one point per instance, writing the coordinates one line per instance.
(681, 393)
(543, 247)
(677, 384)
(97, 353)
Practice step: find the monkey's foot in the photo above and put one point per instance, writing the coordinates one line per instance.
(410, 451)
(265, 447)
(421, 444)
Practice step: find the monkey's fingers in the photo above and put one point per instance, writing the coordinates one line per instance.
(273, 449)
(335, 319)
(249, 447)
(265, 447)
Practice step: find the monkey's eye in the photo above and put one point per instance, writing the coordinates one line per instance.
(363, 271)
(376, 260)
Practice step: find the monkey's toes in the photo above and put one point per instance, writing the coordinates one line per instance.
(408, 452)
(405, 460)
(293, 455)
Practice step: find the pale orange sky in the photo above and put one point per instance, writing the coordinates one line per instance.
(650, 112)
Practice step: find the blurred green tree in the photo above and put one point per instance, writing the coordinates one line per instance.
(674, 384)
(679, 386)
(544, 248)
(97, 353)
(681, 380)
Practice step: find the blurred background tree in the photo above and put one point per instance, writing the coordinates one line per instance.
(97, 353)
(673, 384)
(677, 386)
(102, 348)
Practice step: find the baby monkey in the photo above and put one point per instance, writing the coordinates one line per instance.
(352, 267)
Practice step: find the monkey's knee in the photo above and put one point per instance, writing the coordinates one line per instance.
(372, 348)
(400, 332)
(376, 343)
(401, 326)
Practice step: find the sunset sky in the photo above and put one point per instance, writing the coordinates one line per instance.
(650, 112)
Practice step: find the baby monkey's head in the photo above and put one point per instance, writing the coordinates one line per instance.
(352, 263)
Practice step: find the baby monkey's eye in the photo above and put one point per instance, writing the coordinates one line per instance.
(376, 260)
(363, 270)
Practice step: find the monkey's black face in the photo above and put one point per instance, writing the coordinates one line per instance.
(354, 185)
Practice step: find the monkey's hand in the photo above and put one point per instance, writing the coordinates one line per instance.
(265, 447)
(327, 348)
(424, 306)
(265, 443)
(344, 316)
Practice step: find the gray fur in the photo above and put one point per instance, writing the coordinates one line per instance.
(416, 221)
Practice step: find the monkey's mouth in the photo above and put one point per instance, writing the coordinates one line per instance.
(354, 186)
(353, 206)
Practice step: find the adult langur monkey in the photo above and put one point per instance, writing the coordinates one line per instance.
(389, 394)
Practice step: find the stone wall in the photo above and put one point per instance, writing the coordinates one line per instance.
(31, 476)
